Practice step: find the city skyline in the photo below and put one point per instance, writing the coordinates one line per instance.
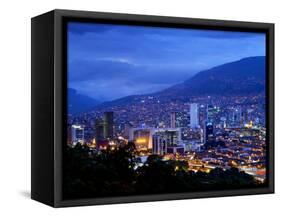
(166, 129)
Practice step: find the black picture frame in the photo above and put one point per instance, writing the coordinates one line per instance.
(48, 69)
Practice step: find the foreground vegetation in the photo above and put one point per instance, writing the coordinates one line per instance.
(116, 173)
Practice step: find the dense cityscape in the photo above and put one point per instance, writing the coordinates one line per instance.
(205, 132)
(156, 110)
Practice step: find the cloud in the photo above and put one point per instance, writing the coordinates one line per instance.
(105, 90)
(86, 69)
(116, 68)
(109, 61)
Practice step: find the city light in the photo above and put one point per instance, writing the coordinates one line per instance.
(141, 140)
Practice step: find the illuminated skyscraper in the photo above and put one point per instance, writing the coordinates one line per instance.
(141, 136)
(77, 134)
(208, 132)
(194, 118)
(142, 139)
(210, 113)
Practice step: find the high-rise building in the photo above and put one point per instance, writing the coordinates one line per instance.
(142, 137)
(208, 132)
(104, 127)
(108, 125)
(99, 125)
(236, 116)
(127, 128)
(194, 117)
(164, 139)
(77, 134)
(159, 145)
(210, 113)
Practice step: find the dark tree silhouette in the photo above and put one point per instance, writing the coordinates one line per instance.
(91, 173)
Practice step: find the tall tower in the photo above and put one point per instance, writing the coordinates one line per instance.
(99, 130)
(194, 118)
(108, 125)
(208, 132)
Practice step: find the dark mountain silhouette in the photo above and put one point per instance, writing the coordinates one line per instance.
(242, 77)
(78, 103)
(246, 76)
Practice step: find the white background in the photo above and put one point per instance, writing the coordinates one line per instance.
(15, 106)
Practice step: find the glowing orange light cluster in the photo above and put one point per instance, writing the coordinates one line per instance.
(141, 140)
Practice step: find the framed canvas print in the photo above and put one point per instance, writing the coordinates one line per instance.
(134, 108)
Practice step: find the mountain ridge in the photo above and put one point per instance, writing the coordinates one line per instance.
(78, 103)
(241, 77)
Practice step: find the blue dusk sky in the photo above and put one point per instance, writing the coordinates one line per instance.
(108, 61)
